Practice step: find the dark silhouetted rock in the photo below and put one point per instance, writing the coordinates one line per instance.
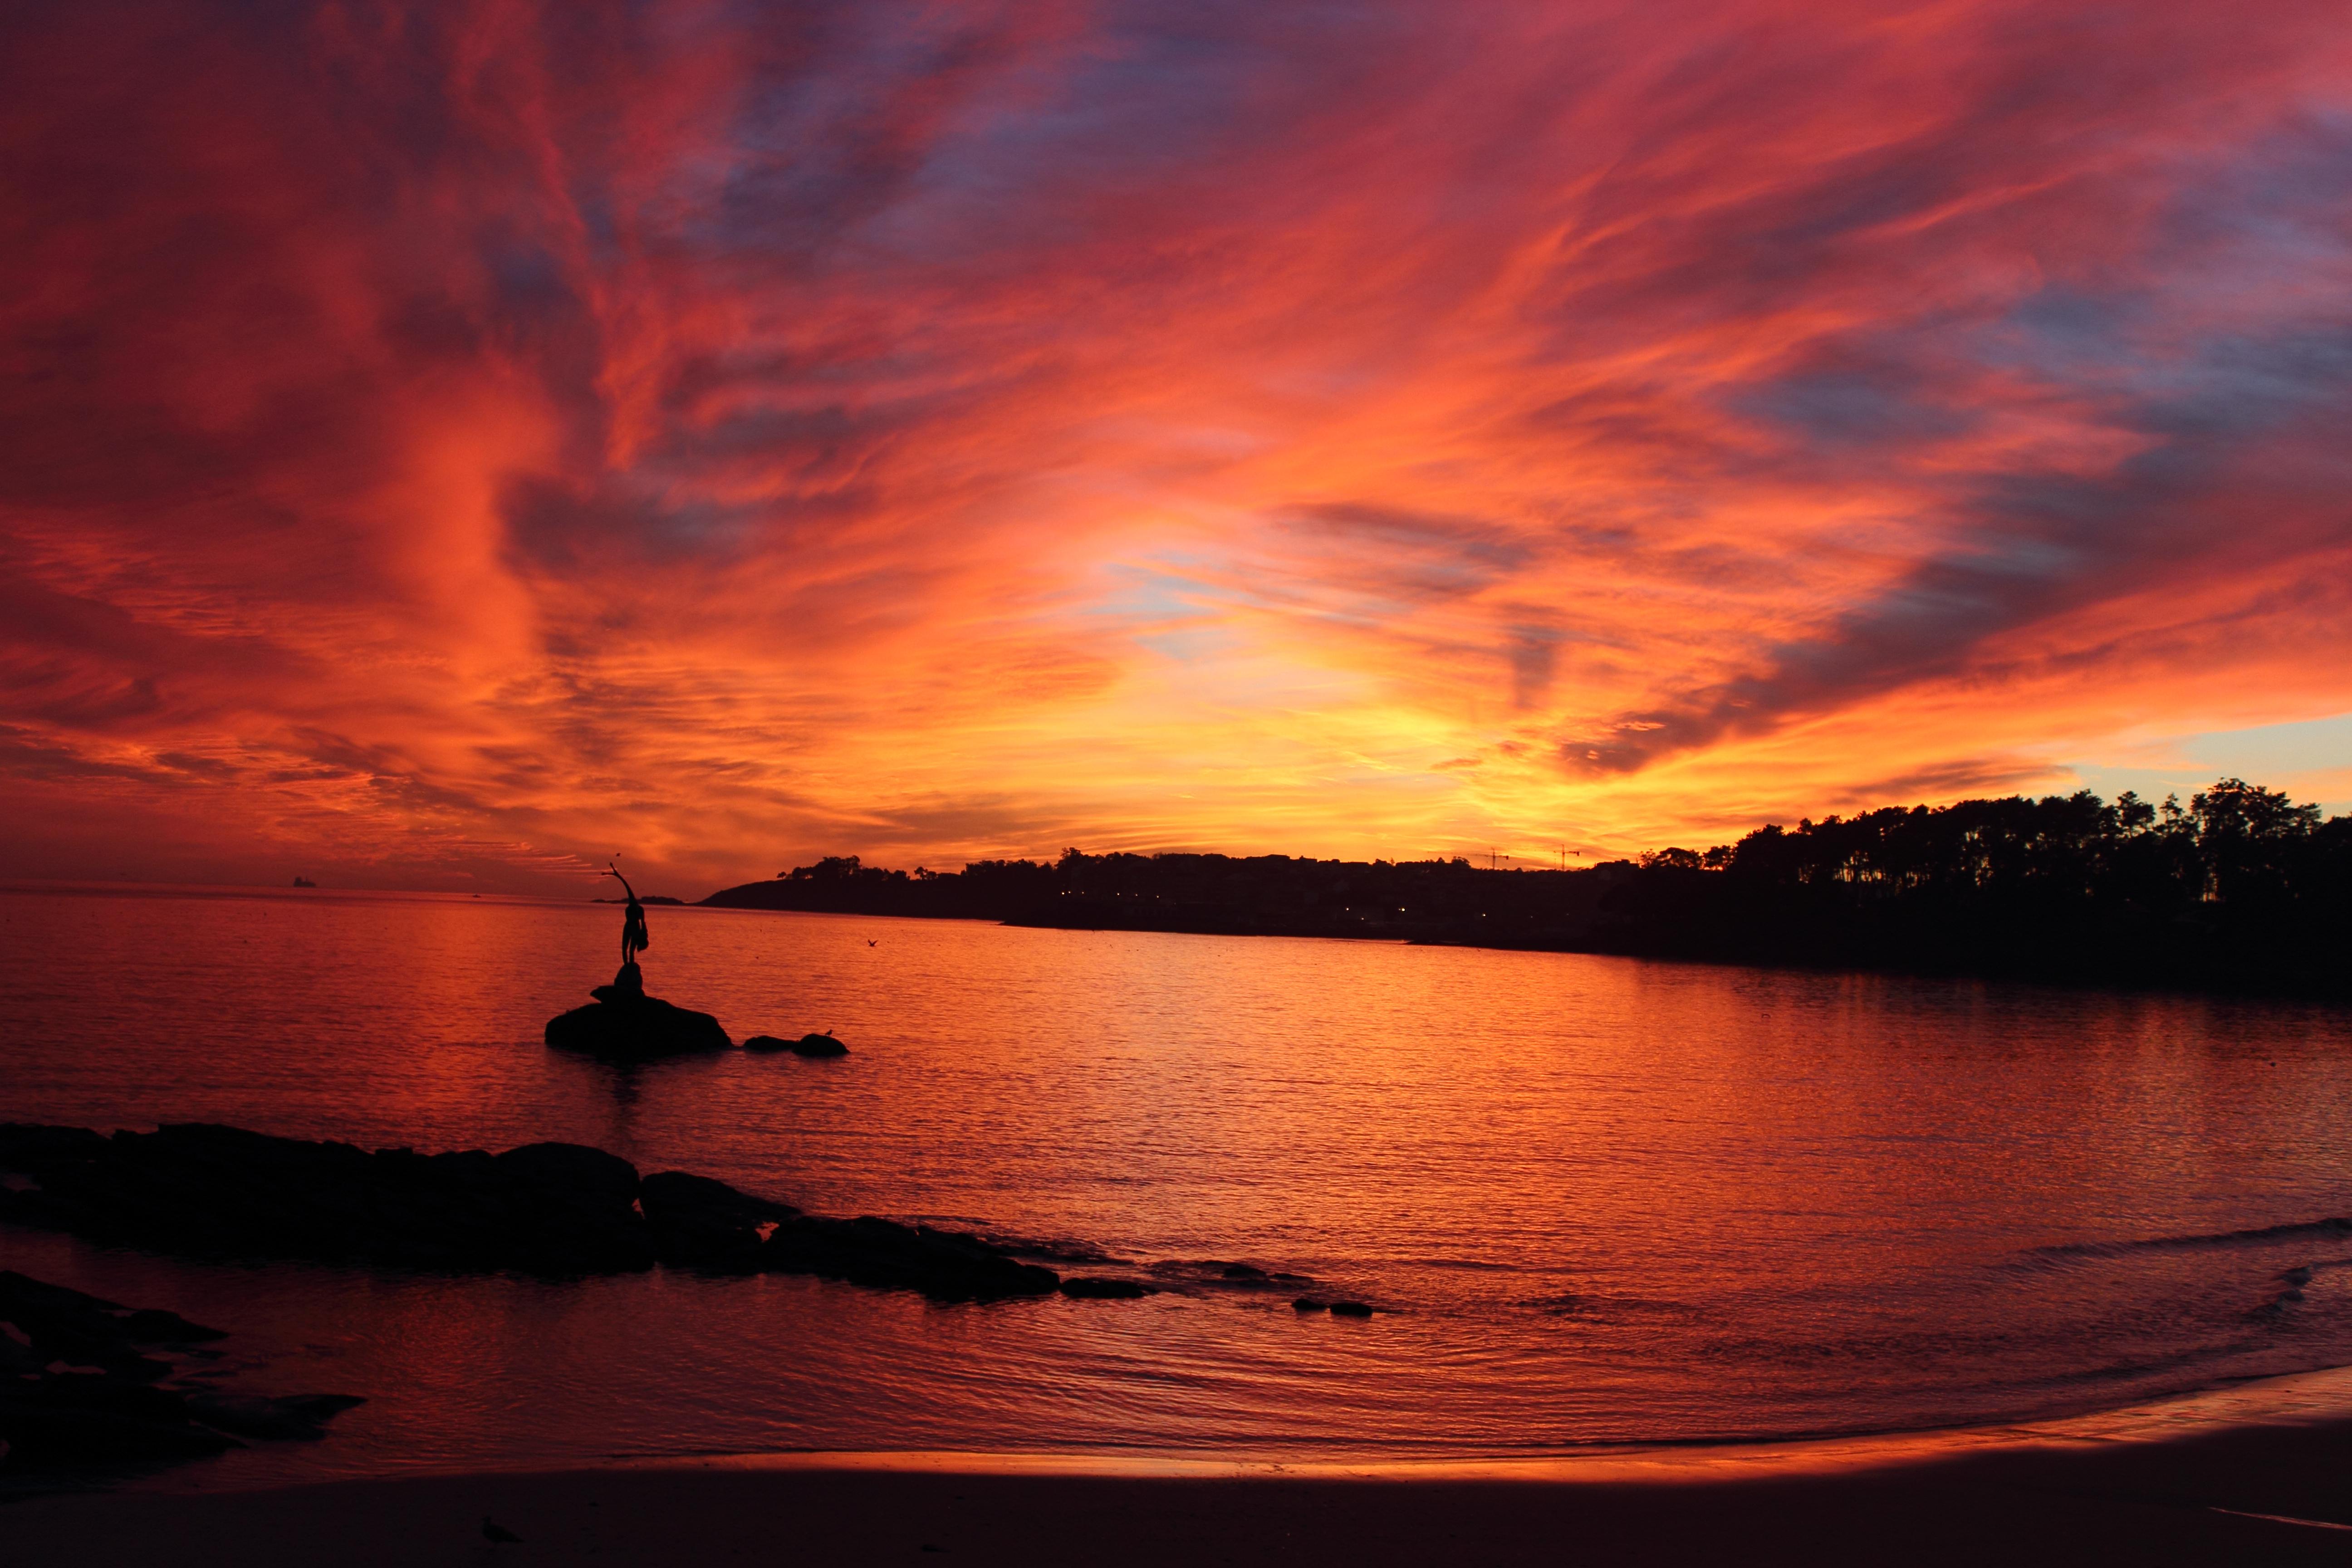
(624, 1024)
(58, 1320)
(819, 1046)
(34, 1149)
(554, 1209)
(1307, 1304)
(943, 1264)
(764, 1043)
(82, 1419)
(707, 1224)
(549, 1208)
(79, 1392)
(1351, 1310)
(1094, 1287)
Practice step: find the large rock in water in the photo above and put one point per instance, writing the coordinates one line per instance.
(624, 1024)
(222, 1192)
(552, 1209)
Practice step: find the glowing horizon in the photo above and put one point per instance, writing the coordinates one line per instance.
(445, 446)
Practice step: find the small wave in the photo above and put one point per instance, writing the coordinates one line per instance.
(2333, 1226)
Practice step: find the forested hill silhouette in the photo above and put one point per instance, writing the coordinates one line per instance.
(2240, 890)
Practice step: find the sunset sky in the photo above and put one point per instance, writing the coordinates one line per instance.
(445, 443)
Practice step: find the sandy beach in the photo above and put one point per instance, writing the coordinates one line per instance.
(2179, 1482)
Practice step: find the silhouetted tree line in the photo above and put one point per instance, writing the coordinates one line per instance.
(1258, 895)
(2240, 889)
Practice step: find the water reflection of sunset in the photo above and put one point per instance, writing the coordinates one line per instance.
(465, 441)
(1595, 1199)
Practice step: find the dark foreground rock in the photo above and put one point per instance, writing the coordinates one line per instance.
(222, 1192)
(85, 1383)
(944, 1265)
(554, 1209)
(706, 1224)
(624, 1024)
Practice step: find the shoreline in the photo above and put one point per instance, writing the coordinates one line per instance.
(2257, 1472)
(2291, 1400)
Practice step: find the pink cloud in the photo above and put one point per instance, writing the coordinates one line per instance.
(727, 433)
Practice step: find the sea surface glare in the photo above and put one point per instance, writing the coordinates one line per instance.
(1596, 1200)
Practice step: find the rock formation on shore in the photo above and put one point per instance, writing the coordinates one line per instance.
(84, 1381)
(624, 1024)
(552, 1209)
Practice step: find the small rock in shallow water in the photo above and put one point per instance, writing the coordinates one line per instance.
(819, 1046)
(1307, 1304)
(766, 1043)
(1351, 1310)
(1094, 1287)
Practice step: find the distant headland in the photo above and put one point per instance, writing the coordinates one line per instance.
(2240, 890)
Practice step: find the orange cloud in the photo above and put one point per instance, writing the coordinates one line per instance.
(459, 441)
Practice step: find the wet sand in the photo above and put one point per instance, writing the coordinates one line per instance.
(2164, 1485)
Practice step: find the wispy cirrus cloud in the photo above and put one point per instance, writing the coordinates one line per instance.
(731, 431)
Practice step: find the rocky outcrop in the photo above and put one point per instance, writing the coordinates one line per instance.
(222, 1192)
(706, 1224)
(85, 1383)
(944, 1265)
(554, 1209)
(624, 1024)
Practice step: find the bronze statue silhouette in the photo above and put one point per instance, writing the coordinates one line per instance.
(634, 940)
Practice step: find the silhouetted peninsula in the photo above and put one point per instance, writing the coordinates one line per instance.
(2240, 890)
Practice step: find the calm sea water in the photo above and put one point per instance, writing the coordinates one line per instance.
(1599, 1200)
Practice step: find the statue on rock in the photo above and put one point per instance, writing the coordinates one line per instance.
(631, 979)
(623, 1022)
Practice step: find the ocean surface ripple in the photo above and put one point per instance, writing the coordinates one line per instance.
(1594, 1200)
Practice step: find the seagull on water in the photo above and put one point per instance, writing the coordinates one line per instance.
(499, 1534)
